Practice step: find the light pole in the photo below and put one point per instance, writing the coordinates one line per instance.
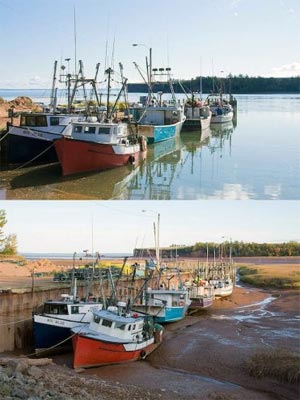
(156, 235)
(73, 277)
(150, 61)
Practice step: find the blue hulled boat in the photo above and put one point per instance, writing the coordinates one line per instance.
(164, 305)
(52, 326)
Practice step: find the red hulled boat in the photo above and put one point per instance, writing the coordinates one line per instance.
(115, 337)
(94, 146)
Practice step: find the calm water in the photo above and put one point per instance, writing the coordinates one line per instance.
(256, 157)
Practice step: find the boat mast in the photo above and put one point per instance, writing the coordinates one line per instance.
(109, 71)
(52, 103)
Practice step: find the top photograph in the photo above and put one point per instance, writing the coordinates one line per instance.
(131, 100)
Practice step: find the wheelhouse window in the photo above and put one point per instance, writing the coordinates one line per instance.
(75, 310)
(33, 120)
(77, 129)
(56, 309)
(104, 130)
(90, 129)
(54, 121)
(107, 323)
(119, 325)
(97, 319)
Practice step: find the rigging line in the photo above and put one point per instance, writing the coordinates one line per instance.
(4, 136)
(54, 346)
(34, 158)
(15, 322)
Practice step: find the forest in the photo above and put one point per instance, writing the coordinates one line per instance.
(243, 249)
(236, 248)
(241, 84)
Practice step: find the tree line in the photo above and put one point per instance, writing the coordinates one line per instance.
(240, 84)
(8, 244)
(242, 249)
(223, 250)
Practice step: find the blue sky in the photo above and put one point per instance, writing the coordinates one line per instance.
(119, 226)
(254, 37)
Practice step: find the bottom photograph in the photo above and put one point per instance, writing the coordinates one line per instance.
(149, 300)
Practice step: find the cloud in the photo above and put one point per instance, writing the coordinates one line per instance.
(32, 83)
(287, 70)
(35, 81)
(234, 3)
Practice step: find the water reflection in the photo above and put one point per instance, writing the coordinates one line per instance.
(247, 159)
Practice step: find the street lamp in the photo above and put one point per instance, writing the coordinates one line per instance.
(73, 277)
(150, 60)
(156, 235)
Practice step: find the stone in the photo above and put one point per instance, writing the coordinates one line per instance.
(35, 372)
(19, 393)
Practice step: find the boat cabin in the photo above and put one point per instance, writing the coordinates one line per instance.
(69, 307)
(100, 132)
(161, 116)
(165, 298)
(55, 123)
(121, 328)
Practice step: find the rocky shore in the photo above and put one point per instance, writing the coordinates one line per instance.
(19, 379)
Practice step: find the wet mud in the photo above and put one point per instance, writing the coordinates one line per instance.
(205, 355)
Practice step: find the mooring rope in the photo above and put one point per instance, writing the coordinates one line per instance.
(15, 322)
(34, 158)
(3, 137)
(52, 347)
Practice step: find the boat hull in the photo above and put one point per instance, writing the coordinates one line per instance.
(46, 336)
(160, 314)
(223, 292)
(155, 133)
(222, 118)
(201, 303)
(91, 352)
(77, 156)
(21, 149)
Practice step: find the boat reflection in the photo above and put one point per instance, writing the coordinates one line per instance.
(167, 166)
(220, 135)
(173, 169)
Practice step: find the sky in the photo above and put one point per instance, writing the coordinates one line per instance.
(120, 226)
(253, 37)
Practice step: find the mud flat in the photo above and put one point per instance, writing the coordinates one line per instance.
(205, 356)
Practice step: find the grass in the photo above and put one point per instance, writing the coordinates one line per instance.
(279, 276)
(279, 364)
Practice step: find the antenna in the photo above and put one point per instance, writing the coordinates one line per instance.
(113, 54)
(75, 41)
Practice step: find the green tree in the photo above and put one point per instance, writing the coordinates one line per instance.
(2, 224)
(10, 245)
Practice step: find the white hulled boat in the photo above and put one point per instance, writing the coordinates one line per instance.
(221, 109)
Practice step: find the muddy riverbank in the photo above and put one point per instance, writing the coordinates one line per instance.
(204, 356)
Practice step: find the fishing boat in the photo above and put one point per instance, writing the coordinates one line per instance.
(52, 325)
(158, 119)
(163, 296)
(221, 109)
(95, 145)
(201, 294)
(115, 336)
(198, 115)
(33, 139)
(161, 121)
(223, 287)
(165, 305)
